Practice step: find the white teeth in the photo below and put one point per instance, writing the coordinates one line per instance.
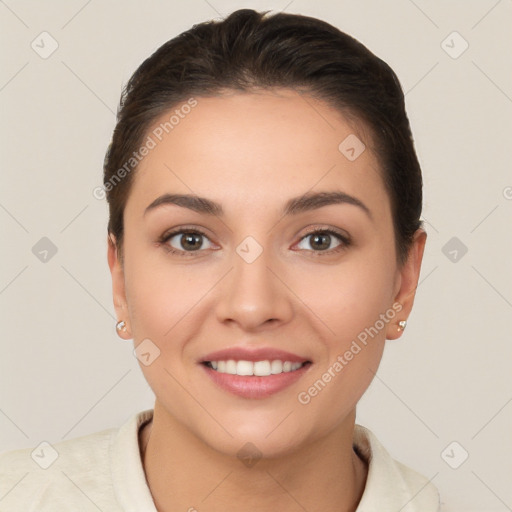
(262, 368)
(258, 368)
(231, 367)
(276, 366)
(245, 368)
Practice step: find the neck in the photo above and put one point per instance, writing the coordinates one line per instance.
(183, 472)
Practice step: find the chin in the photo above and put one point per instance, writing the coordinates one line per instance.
(266, 437)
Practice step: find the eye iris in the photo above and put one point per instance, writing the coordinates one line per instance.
(190, 238)
(323, 238)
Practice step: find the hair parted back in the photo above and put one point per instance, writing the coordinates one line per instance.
(249, 50)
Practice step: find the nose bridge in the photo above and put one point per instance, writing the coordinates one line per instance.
(253, 294)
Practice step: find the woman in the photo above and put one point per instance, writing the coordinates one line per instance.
(264, 241)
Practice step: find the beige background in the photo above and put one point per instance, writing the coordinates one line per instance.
(65, 373)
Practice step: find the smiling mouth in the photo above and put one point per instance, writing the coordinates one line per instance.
(262, 368)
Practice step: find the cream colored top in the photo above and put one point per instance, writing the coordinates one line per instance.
(103, 471)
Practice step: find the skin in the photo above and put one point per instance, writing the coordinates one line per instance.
(251, 152)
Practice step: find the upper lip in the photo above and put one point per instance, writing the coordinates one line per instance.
(254, 354)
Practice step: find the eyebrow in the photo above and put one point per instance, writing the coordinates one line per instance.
(294, 206)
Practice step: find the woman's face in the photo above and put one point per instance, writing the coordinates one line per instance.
(251, 276)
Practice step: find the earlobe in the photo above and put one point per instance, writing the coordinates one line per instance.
(408, 279)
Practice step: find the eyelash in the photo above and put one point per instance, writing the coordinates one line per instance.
(345, 241)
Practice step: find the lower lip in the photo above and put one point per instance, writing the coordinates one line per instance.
(253, 386)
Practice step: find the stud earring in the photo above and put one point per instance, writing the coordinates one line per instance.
(121, 326)
(402, 325)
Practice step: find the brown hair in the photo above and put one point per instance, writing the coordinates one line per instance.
(250, 50)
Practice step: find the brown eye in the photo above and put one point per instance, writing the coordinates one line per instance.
(320, 241)
(190, 241)
(184, 241)
(324, 240)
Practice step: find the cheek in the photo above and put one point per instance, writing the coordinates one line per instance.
(161, 298)
(355, 306)
(353, 353)
(158, 292)
(347, 298)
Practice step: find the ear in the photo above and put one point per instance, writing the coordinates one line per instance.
(118, 287)
(407, 283)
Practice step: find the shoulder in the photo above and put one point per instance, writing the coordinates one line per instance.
(46, 455)
(390, 484)
(74, 474)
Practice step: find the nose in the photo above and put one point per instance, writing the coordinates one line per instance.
(254, 294)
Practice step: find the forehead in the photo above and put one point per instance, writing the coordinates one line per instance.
(257, 147)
